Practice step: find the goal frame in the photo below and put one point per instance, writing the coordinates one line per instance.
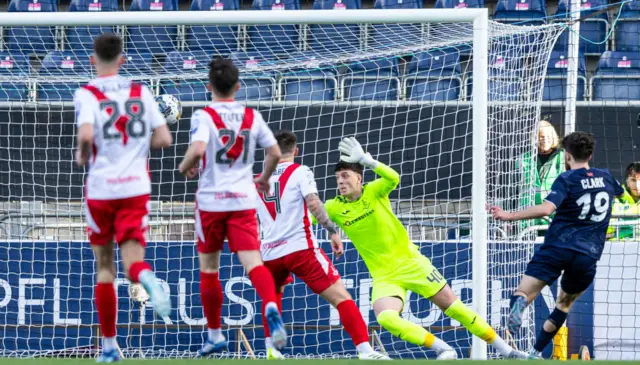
(479, 18)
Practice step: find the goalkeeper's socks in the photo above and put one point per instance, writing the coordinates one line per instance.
(263, 282)
(556, 319)
(106, 303)
(410, 332)
(136, 269)
(476, 325)
(353, 323)
(212, 298)
(109, 343)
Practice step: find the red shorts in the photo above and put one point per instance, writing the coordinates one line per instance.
(240, 228)
(125, 219)
(311, 265)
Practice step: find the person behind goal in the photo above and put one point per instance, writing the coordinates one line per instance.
(118, 120)
(223, 140)
(581, 198)
(289, 245)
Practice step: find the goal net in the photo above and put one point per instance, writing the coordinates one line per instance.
(403, 89)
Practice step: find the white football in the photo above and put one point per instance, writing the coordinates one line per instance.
(170, 107)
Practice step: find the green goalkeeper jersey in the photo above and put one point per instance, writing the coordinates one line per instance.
(380, 238)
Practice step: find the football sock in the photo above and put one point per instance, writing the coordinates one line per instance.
(262, 281)
(212, 298)
(106, 303)
(555, 319)
(352, 321)
(410, 332)
(136, 269)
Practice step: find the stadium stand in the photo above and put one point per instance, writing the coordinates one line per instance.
(187, 89)
(276, 39)
(152, 39)
(80, 39)
(530, 12)
(31, 40)
(593, 31)
(315, 83)
(555, 84)
(390, 35)
(433, 76)
(628, 28)
(138, 64)
(501, 87)
(372, 80)
(459, 4)
(62, 64)
(13, 66)
(219, 40)
(335, 38)
(617, 77)
(254, 85)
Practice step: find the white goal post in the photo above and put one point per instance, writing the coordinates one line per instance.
(435, 142)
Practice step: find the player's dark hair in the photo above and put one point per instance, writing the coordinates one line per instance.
(223, 76)
(107, 47)
(355, 167)
(286, 141)
(580, 145)
(633, 168)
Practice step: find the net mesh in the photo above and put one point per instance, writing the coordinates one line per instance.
(403, 90)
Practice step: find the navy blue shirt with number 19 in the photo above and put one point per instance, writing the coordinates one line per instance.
(583, 200)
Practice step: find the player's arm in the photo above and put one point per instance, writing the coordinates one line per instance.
(266, 140)
(161, 136)
(200, 134)
(352, 151)
(85, 119)
(557, 195)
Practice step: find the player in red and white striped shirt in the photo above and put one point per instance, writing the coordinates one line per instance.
(118, 120)
(223, 140)
(289, 245)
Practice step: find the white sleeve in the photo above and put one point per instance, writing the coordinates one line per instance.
(85, 106)
(156, 119)
(265, 135)
(307, 181)
(200, 127)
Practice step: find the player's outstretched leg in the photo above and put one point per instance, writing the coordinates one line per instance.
(212, 299)
(272, 352)
(388, 310)
(527, 291)
(139, 271)
(555, 320)
(106, 302)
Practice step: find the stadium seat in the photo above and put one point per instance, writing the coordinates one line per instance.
(254, 84)
(434, 76)
(372, 80)
(459, 4)
(315, 82)
(628, 28)
(13, 69)
(521, 11)
(593, 29)
(138, 64)
(392, 35)
(555, 83)
(617, 77)
(152, 39)
(38, 40)
(56, 65)
(80, 39)
(189, 89)
(335, 38)
(277, 39)
(215, 39)
(505, 81)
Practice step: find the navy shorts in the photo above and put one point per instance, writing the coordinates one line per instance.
(549, 262)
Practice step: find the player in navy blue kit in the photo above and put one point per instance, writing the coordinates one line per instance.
(582, 198)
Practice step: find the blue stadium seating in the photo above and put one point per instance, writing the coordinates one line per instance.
(137, 64)
(593, 29)
(80, 39)
(434, 76)
(372, 80)
(392, 35)
(187, 62)
(555, 83)
(39, 40)
(277, 39)
(13, 65)
(628, 28)
(336, 37)
(459, 4)
(315, 82)
(60, 64)
(617, 77)
(505, 78)
(520, 11)
(152, 39)
(254, 85)
(217, 39)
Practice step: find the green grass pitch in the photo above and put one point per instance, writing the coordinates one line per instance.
(283, 362)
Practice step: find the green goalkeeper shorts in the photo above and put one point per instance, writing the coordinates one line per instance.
(417, 275)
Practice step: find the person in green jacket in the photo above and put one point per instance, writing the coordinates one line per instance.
(628, 204)
(544, 168)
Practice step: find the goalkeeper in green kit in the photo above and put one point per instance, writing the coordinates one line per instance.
(396, 265)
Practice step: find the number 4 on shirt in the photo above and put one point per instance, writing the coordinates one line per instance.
(272, 202)
(232, 145)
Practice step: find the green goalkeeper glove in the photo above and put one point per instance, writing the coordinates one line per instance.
(352, 152)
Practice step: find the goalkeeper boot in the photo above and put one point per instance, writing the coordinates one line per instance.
(518, 355)
(161, 301)
(109, 356)
(211, 347)
(273, 354)
(276, 326)
(447, 355)
(515, 316)
(535, 355)
(374, 355)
